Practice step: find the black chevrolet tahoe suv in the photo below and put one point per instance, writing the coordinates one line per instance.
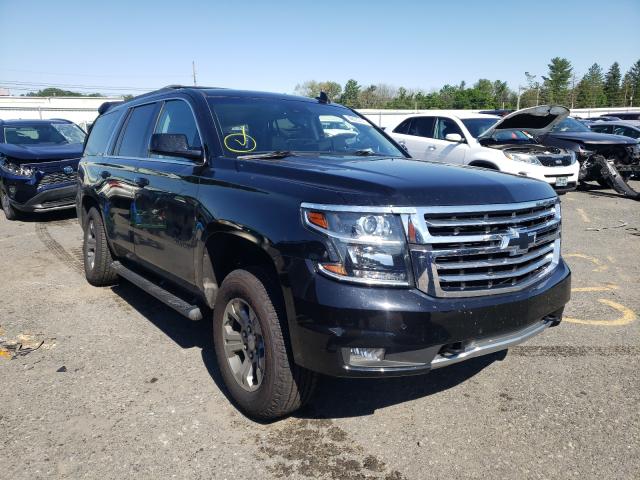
(316, 242)
(38, 164)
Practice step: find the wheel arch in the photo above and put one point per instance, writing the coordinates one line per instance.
(483, 164)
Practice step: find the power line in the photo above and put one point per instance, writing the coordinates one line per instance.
(68, 85)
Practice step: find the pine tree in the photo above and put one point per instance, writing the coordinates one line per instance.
(590, 90)
(351, 93)
(634, 74)
(556, 84)
(612, 85)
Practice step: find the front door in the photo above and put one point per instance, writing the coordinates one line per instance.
(164, 210)
(446, 151)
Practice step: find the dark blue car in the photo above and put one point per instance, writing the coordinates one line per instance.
(38, 165)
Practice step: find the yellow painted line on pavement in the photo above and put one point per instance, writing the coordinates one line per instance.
(600, 267)
(583, 215)
(626, 318)
(603, 288)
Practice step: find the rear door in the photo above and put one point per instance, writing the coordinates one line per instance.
(444, 150)
(165, 203)
(118, 171)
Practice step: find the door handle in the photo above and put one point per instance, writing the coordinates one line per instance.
(431, 148)
(104, 174)
(141, 181)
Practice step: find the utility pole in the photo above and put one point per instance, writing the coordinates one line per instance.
(573, 88)
(519, 95)
(193, 69)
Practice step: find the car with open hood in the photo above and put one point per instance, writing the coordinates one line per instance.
(317, 242)
(611, 160)
(38, 165)
(506, 144)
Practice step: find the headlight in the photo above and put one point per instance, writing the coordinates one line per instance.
(368, 248)
(16, 169)
(522, 157)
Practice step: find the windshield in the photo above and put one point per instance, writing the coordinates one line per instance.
(255, 125)
(477, 126)
(570, 125)
(42, 134)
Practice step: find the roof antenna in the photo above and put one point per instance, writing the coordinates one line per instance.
(323, 98)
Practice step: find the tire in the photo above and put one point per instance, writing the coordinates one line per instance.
(95, 252)
(9, 211)
(281, 387)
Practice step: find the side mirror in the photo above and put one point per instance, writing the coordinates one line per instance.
(453, 137)
(174, 145)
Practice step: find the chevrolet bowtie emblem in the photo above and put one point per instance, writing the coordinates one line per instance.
(518, 239)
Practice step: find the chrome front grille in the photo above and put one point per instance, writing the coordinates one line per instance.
(53, 178)
(475, 250)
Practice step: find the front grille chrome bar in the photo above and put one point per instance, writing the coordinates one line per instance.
(466, 251)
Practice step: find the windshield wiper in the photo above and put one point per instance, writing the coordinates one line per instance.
(365, 152)
(267, 155)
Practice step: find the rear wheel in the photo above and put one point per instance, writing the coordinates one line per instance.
(96, 253)
(250, 340)
(9, 211)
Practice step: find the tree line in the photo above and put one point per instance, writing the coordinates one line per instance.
(561, 86)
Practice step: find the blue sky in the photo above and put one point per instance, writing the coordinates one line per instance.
(273, 45)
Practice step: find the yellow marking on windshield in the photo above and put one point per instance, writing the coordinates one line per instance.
(240, 142)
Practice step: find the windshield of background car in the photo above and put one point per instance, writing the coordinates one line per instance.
(477, 126)
(42, 134)
(570, 125)
(255, 125)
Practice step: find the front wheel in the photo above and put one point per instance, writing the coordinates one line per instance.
(9, 211)
(251, 348)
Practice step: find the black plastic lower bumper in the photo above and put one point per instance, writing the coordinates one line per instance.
(49, 200)
(332, 317)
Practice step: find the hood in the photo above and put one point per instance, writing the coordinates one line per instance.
(594, 138)
(390, 181)
(535, 120)
(41, 153)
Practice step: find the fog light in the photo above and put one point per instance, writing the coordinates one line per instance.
(12, 191)
(365, 356)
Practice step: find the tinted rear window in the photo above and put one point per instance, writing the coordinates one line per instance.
(135, 139)
(101, 133)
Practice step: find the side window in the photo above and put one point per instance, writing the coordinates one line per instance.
(403, 127)
(100, 134)
(422, 127)
(134, 141)
(627, 132)
(445, 126)
(177, 118)
(602, 128)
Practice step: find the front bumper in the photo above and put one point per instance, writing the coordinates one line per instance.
(51, 199)
(546, 174)
(418, 332)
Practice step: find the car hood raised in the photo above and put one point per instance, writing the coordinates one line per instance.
(391, 181)
(40, 153)
(535, 120)
(594, 138)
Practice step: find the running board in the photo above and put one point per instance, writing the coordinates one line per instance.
(192, 312)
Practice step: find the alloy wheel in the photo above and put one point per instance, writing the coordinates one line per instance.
(91, 244)
(243, 344)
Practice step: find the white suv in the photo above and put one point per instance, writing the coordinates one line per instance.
(507, 144)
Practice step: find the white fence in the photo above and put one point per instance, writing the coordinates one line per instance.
(80, 110)
(84, 110)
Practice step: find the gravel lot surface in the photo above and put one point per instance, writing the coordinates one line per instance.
(121, 386)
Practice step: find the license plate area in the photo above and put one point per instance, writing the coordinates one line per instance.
(562, 181)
